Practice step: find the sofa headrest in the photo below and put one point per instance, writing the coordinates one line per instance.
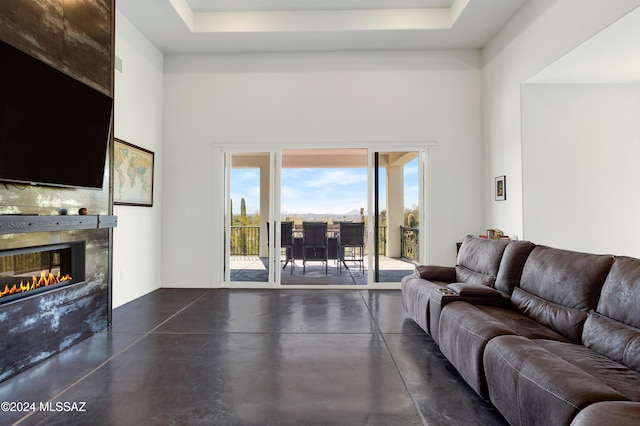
(513, 260)
(620, 296)
(479, 260)
(564, 277)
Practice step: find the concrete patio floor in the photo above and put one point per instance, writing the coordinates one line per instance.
(254, 269)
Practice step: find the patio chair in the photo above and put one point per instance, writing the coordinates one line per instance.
(315, 245)
(286, 242)
(351, 236)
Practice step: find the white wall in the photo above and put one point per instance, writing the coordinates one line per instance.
(138, 120)
(331, 98)
(581, 146)
(315, 100)
(541, 32)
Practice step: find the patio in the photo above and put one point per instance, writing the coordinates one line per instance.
(254, 269)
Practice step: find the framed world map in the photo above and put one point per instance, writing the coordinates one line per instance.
(132, 175)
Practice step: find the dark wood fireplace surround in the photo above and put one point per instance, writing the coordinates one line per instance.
(77, 37)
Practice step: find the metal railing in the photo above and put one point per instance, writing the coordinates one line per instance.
(382, 241)
(245, 240)
(409, 245)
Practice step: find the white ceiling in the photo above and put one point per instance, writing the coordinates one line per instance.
(273, 5)
(217, 26)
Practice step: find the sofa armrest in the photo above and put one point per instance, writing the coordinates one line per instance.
(445, 274)
(619, 413)
(474, 290)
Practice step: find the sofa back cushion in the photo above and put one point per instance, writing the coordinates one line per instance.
(614, 329)
(512, 264)
(620, 296)
(558, 288)
(613, 339)
(479, 260)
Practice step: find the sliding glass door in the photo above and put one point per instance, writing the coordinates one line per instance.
(249, 211)
(397, 200)
(372, 203)
(327, 185)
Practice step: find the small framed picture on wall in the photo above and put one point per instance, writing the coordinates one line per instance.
(501, 188)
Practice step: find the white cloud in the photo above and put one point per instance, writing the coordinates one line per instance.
(335, 191)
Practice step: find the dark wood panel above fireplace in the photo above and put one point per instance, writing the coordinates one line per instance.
(72, 35)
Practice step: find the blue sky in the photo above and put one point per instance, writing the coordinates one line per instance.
(321, 190)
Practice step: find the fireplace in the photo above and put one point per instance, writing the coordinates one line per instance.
(29, 271)
(47, 319)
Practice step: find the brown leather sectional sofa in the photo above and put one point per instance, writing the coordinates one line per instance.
(549, 336)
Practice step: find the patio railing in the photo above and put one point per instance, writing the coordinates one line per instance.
(382, 241)
(410, 245)
(245, 240)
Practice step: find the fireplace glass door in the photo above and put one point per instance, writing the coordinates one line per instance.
(32, 270)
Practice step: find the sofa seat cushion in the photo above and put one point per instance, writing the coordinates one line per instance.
(618, 413)
(464, 331)
(530, 385)
(441, 298)
(416, 293)
(609, 372)
(521, 324)
(465, 328)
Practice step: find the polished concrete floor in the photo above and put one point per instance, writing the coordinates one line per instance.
(251, 357)
(254, 268)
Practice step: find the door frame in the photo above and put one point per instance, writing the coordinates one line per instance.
(275, 150)
(423, 196)
(273, 232)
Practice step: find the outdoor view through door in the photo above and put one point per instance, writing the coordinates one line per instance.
(248, 198)
(396, 215)
(364, 241)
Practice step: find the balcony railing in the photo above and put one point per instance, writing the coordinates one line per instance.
(410, 244)
(245, 240)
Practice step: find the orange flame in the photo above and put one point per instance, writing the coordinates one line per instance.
(44, 280)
